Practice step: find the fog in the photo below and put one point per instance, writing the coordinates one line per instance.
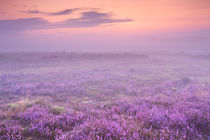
(191, 41)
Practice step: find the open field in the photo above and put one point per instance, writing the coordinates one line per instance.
(67, 96)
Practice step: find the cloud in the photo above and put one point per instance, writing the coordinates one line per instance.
(34, 12)
(91, 19)
(19, 25)
(95, 14)
(64, 12)
(87, 19)
(58, 13)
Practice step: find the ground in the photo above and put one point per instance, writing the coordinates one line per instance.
(104, 96)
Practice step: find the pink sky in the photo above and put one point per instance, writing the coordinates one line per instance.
(79, 23)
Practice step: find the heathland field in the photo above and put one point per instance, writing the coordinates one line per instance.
(76, 96)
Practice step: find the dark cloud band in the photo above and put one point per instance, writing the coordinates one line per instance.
(87, 19)
(58, 13)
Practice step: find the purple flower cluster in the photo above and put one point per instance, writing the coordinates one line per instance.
(13, 132)
(41, 123)
(141, 118)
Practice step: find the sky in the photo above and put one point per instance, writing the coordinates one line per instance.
(104, 25)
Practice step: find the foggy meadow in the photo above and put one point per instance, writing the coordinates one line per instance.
(65, 95)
